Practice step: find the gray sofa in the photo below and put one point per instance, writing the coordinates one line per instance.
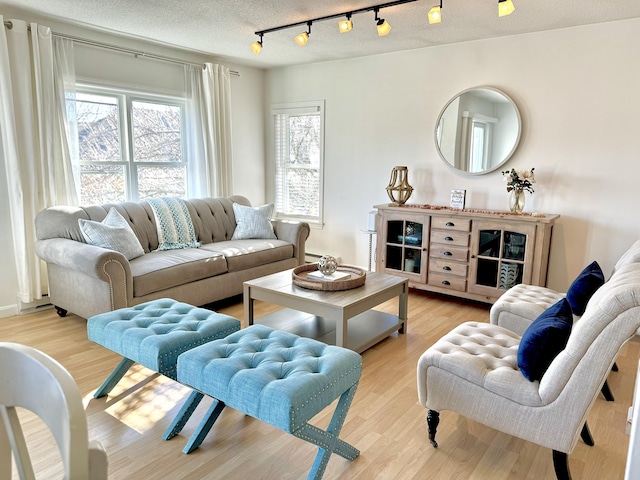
(87, 280)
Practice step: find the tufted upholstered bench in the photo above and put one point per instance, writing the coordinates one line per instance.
(154, 334)
(274, 376)
(521, 305)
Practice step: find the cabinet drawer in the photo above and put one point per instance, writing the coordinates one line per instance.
(458, 254)
(450, 237)
(446, 267)
(445, 281)
(461, 224)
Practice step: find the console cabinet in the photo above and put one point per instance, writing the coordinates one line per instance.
(471, 254)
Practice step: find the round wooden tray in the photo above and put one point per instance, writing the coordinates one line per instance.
(357, 279)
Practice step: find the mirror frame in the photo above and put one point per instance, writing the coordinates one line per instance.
(515, 143)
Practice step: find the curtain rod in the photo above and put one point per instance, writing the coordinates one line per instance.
(136, 53)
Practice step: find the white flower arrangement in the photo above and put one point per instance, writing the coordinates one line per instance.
(519, 180)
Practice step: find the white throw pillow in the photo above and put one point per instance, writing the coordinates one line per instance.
(253, 222)
(113, 233)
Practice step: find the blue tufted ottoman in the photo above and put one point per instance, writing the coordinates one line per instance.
(274, 376)
(154, 334)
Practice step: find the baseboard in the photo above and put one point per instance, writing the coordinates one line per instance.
(35, 306)
(8, 311)
(21, 308)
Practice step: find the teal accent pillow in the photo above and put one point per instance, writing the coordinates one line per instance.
(113, 233)
(583, 287)
(544, 339)
(253, 222)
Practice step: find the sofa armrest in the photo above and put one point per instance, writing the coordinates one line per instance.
(80, 259)
(295, 233)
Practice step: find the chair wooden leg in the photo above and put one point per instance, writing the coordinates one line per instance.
(561, 465)
(433, 419)
(606, 391)
(585, 434)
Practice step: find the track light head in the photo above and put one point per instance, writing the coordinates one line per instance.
(383, 26)
(505, 7)
(256, 47)
(435, 14)
(345, 25)
(303, 38)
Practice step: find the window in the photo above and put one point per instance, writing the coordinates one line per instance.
(129, 146)
(299, 160)
(478, 152)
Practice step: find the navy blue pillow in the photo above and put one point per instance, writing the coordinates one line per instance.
(544, 339)
(583, 287)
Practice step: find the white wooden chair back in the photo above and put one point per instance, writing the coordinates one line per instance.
(32, 380)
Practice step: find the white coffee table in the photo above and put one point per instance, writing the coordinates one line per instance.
(344, 318)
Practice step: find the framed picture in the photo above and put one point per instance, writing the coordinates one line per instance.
(457, 199)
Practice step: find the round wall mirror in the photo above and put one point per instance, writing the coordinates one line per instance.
(478, 130)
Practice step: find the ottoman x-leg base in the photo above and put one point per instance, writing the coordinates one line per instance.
(276, 377)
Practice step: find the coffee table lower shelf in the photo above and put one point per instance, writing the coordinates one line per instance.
(365, 330)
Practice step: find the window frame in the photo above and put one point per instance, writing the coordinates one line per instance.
(310, 107)
(125, 99)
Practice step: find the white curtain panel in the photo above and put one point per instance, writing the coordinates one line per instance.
(34, 149)
(198, 142)
(209, 130)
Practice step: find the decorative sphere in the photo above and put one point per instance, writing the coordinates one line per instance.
(327, 264)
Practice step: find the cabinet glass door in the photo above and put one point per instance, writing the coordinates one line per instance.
(500, 257)
(404, 251)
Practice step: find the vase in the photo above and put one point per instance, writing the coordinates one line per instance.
(399, 189)
(516, 201)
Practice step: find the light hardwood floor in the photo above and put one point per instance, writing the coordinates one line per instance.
(385, 422)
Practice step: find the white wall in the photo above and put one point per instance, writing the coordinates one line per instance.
(578, 93)
(119, 69)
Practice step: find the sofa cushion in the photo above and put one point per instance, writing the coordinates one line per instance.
(113, 233)
(583, 287)
(243, 254)
(160, 270)
(253, 222)
(544, 339)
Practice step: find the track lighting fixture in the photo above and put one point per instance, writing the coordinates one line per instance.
(345, 25)
(303, 38)
(505, 7)
(435, 14)
(383, 27)
(256, 47)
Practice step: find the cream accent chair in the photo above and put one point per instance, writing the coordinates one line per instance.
(473, 370)
(32, 380)
(521, 304)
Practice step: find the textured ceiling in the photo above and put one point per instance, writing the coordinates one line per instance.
(225, 28)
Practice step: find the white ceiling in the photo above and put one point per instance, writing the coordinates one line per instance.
(226, 28)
